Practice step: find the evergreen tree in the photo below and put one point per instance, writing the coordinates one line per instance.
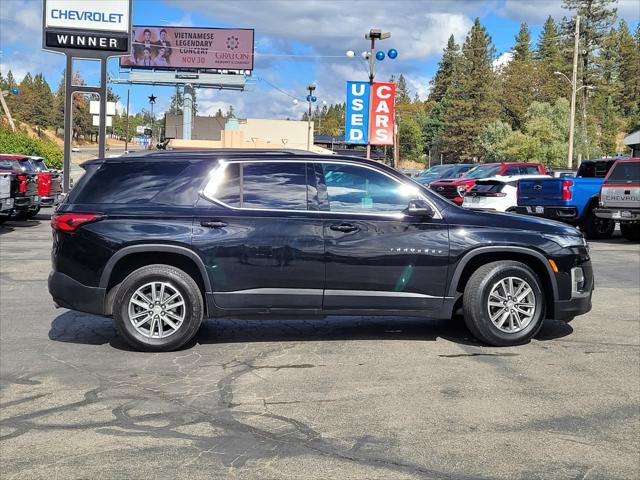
(402, 91)
(550, 59)
(473, 96)
(520, 84)
(628, 70)
(444, 76)
(177, 102)
(42, 108)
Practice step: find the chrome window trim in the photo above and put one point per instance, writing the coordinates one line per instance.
(396, 216)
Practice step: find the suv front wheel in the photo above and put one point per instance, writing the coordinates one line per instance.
(158, 308)
(503, 303)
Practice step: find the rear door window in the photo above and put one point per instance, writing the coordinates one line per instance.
(125, 183)
(529, 170)
(261, 185)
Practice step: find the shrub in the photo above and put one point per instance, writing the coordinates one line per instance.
(18, 142)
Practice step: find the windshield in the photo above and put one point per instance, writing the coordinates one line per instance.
(433, 173)
(39, 164)
(483, 171)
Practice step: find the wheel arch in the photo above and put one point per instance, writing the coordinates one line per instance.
(477, 257)
(129, 259)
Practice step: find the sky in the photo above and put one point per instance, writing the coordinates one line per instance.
(297, 42)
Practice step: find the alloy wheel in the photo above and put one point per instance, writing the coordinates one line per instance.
(156, 310)
(511, 304)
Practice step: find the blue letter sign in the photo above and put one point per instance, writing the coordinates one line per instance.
(356, 129)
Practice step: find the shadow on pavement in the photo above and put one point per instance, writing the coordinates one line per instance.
(11, 225)
(74, 327)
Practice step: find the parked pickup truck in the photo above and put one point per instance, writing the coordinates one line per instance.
(49, 184)
(24, 185)
(620, 197)
(6, 202)
(455, 188)
(569, 200)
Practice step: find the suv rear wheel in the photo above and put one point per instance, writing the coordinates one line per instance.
(503, 303)
(158, 308)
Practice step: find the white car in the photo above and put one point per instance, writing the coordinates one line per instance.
(495, 193)
(75, 149)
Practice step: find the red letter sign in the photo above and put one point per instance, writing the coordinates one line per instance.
(381, 120)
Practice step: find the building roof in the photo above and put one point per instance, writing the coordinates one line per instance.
(632, 139)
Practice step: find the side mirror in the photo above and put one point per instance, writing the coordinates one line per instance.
(419, 208)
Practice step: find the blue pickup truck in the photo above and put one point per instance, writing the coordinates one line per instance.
(569, 199)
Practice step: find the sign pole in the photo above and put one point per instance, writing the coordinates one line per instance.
(126, 135)
(68, 124)
(102, 127)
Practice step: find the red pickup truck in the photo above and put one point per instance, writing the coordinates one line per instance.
(455, 188)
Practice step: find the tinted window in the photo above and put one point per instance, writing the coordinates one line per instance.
(9, 164)
(39, 164)
(274, 186)
(134, 182)
(625, 172)
(487, 187)
(512, 171)
(483, 171)
(529, 170)
(594, 169)
(351, 188)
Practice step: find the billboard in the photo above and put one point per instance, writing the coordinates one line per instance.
(382, 111)
(356, 129)
(190, 48)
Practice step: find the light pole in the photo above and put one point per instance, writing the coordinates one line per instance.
(310, 99)
(152, 102)
(373, 35)
(572, 115)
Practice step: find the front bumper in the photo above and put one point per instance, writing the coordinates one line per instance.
(51, 201)
(631, 215)
(6, 204)
(71, 294)
(579, 297)
(562, 214)
(23, 203)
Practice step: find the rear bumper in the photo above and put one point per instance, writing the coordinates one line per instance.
(71, 294)
(621, 214)
(562, 214)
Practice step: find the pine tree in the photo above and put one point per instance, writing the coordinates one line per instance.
(628, 70)
(550, 59)
(177, 102)
(473, 96)
(444, 76)
(58, 106)
(402, 91)
(520, 85)
(42, 108)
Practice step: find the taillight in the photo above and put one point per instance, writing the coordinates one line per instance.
(567, 194)
(23, 183)
(69, 222)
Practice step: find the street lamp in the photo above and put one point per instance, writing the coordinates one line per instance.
(572, 116)
(310, 99)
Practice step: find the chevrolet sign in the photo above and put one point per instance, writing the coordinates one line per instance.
(100, 15)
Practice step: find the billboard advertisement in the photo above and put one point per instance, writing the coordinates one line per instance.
(190, 48)
(382, 111)
(356, 129)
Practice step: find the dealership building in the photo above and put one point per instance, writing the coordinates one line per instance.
(218, 132)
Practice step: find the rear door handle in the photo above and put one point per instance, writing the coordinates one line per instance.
(213, 224)
(344, 227)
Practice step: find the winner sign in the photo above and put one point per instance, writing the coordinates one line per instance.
(370, 113)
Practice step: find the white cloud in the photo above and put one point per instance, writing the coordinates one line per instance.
(502, 60)
(536, 12)
(420, 85)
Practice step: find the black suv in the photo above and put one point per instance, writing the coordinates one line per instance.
(163, 240)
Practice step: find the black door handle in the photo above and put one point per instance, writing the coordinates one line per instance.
(213, 224)
(344, 227)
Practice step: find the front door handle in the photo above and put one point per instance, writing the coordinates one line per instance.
(213, 224)
(344, 227)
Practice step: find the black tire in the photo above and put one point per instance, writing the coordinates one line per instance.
(596, 228)
(176, 279)
(32, 213)
(476, 297)
(630, 231)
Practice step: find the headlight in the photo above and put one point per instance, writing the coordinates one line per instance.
(567, 240)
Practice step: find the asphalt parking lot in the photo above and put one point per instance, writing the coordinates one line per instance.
(346, 398)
